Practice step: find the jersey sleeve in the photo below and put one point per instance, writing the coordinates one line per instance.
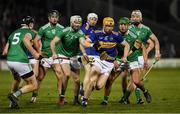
(119, 38)
(93, 37)
(40, 32)
(61, 34)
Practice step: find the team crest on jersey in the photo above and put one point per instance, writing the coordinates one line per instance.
(106, 38)
(111, 38)
(53, 31)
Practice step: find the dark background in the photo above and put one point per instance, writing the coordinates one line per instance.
(162, 16)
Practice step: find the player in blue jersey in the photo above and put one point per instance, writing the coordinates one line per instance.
(88, 28)
(106, 41)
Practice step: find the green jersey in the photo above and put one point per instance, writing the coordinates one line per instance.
(69, 45)
(143, 33)
(17, 50)
(131, 37)
(47, 33)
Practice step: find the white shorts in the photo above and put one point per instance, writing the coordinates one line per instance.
(75, 63)
(64, 61)
(133, 65)
(47, 62)
(141, 61)
(33, 61)
(105, 66)
(19, 67)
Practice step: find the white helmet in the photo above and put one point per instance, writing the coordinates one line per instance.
(137, 13)
(92, 15)
(76, 18)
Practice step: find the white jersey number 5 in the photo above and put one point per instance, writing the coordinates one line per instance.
(16, 38)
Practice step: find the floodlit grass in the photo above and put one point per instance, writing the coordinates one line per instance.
(163, 84)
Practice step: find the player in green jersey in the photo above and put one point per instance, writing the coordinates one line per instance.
(131, 37)
(70, 39)
(45, 34)
(145, 34)
(17, 47)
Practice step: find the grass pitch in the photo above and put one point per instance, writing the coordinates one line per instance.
(163, 84)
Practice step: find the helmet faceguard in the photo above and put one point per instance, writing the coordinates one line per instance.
(108, 21)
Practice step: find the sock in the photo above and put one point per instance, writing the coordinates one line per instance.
(63, 92)
(127, 94)
(17, 93)
(138, 94)
(34, 93)
(106, 98)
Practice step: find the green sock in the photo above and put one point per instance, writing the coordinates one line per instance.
(138, 94)
(106, 98)
(34, 93)
(62, 92)
(127, 94)
(17, 93)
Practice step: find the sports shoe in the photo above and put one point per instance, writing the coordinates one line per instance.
(84, 104)
(147, 96)
(61, 101)
(124, 101)
(140, 101)
(104, 102)
(13, 101)
(33, 99)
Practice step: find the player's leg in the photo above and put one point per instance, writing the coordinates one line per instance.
(76, 78)
(59, 76)
(108, 86)
(66, 70)
(94, 74)
(41, 70)
(87, 68)
(26, 73)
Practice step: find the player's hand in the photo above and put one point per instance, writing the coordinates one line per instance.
(116, 64)
(146, 66)
(157, 56)
(124, 59)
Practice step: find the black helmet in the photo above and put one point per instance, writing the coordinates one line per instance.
(53, 12)
(28, 19)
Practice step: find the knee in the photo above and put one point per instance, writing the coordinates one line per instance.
(98, 86)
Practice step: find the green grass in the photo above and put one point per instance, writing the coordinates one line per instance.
(164, 85)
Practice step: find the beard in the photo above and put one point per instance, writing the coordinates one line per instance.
(136, 23)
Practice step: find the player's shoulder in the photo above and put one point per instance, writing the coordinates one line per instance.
(115, 33)
(98, 31)
(60, 26)
(145, 27)
(45, 26)
(80, 32)
(66, 29)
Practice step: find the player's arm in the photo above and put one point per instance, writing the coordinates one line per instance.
(37, 43)
(145, 56)
(28, 45)
(150, 46)
(5, 51)
(126, 50)
(157, 46)
(55, 40)
(84, 43)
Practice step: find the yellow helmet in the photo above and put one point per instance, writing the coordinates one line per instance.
(108, 21)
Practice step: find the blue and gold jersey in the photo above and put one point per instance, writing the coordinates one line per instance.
(107, 42)
(89, 50)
